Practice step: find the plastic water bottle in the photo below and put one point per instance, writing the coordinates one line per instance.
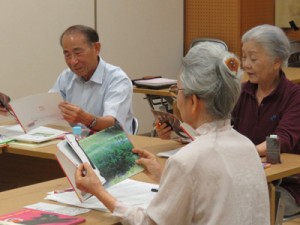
(273, 149)
(77, 131)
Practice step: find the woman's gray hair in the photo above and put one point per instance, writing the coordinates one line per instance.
(272, 39)
(213, 75)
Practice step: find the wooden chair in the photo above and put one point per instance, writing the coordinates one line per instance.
(280, 205)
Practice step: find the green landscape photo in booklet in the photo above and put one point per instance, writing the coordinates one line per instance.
(110, 151)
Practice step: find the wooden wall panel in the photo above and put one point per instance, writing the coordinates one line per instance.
(228, 20)
(256, 12)
(262, 12)
(212, 18)
(293, 35)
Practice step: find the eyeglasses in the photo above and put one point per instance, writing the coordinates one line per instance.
(174, 89)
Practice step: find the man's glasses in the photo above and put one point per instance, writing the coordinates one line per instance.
(174, 89)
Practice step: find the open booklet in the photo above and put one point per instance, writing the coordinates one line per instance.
(109, 152)
(38, 135)
(37, 110)
(181, 131)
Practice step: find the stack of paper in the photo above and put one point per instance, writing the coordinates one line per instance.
(37, 135)
(156, 83)
(130, 192)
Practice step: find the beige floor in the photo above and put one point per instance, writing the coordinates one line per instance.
(293, 222)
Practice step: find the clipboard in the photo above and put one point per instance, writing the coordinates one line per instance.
(154, 82)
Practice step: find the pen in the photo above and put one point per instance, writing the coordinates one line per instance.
(157, 125)
(154, 189)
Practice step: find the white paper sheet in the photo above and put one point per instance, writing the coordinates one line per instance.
(130, 192)
(37, 135)
(37, 110)
(168, 154)
(65, 210)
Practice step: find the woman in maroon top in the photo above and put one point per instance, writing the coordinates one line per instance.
(269, 103)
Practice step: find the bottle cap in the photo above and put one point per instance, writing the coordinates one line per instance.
(77, 130)
(273, 136)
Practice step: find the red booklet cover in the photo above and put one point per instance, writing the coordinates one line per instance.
(35, 217)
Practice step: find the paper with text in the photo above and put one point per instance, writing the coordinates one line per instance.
(66, 210)
(130, 192)
(37, 135)
(37, 110)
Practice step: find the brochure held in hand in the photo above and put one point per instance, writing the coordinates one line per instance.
(181, 130)
(37, 110)
(32, 114)
(109, 152)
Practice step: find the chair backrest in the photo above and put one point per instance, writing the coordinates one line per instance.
(135, 125)
(294, 58)
(279, 207)
(216, 41)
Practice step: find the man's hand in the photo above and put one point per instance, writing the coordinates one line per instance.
(72, 113)
(3, 111)
(4, 100)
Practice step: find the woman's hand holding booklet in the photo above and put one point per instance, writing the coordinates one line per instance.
(181, 131)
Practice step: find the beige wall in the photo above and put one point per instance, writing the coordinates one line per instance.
(30, 54)
(143, 37)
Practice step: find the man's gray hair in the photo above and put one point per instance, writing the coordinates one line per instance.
(90, 34)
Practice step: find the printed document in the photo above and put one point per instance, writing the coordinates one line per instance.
(130, 192)
(37, 110)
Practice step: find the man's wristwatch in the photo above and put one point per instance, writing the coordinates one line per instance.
(93, 123)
